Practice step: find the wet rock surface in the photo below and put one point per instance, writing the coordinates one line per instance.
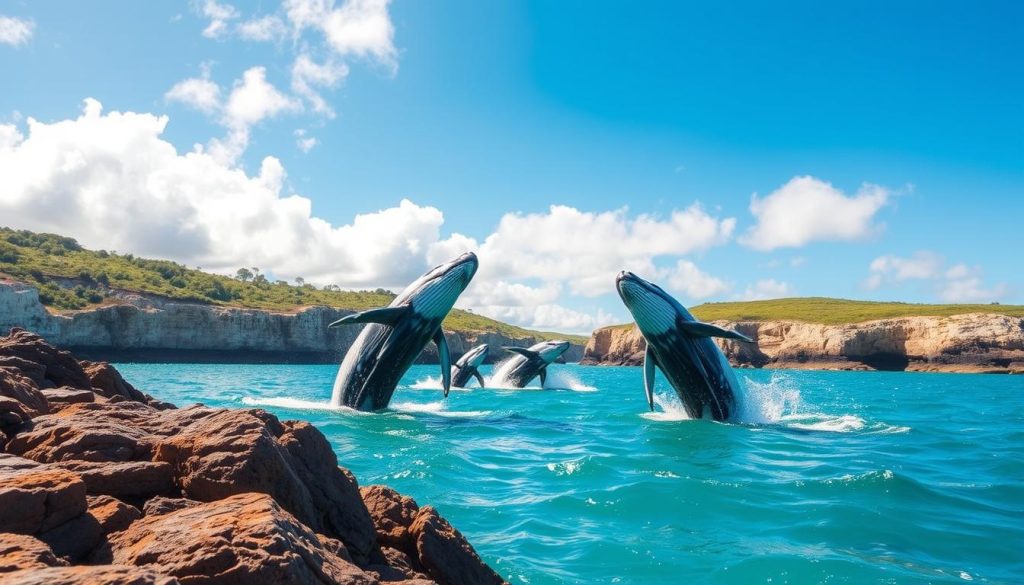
(101, 483)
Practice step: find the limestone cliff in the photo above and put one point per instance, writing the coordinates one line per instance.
(973, 342)
(148, 328)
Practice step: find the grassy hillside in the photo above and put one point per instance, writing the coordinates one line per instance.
(837, 311)
(70, 277)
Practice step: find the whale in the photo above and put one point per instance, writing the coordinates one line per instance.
(394, 336)
(528, 363)
(682, 348)
(467, 367)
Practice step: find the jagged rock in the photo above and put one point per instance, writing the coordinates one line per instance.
(400, 566)
(112, 514)
(446, 555)
(61, 397)
(236, 451)
(87, 432)
(102, 575)
(245, 538)
(392, 515)
(22, 552)
(107, 381)
(36, 498)
(59, 368)
(161, 505)
(18, 387)
(124, 479)
(76, 538)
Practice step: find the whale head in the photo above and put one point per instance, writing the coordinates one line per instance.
(654, 310)
(474, 357)
(551, 350)
(434, 294)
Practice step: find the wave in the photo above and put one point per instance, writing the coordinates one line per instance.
(435, 408)
(291, 403)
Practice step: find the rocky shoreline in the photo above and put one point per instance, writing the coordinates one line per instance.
(970, 343)
(147, 328)
(101, 483)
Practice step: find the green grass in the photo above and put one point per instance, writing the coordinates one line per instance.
(69, 277)
(837, 311)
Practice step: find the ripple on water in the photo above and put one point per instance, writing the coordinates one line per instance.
(828, 477)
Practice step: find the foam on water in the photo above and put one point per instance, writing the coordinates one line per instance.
(291, 403)
(435, 408)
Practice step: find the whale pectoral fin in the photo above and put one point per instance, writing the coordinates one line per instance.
(385, 316)
(698, 329)
(649, 363)
(479, 378)
(445, 359)
(523, 352)
(543, 376)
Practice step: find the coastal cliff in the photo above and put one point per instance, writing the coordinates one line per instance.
(101, 483)
(976, 342)
(139, 327)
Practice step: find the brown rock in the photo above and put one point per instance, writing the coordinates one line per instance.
(228, 452)
(16, 386)
(400, 566)
(103, 575)
(88, 432)
(112, 514)
(107, 381)
(19, 551)
(445, 553)
(36, 498)
(124, 479)
(61, 397)
(76, 538)
(59, 368)
(245, 538)
(392, 515)
(161, 505)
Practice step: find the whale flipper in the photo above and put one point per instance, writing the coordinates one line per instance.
(523, 352)
(479, 378)
(445, 359)
(698, 329)
(649, 363)
(385, 316)
(543, 376)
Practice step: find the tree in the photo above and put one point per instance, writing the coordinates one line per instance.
(244, 274)
(299, 281)
(259, 279)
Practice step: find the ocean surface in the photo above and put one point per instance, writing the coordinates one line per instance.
(836, 477)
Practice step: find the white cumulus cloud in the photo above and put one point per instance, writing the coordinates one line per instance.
(266, 28)
(357, 27)
(690, 280)
(807, 209)
(111, 181)
(219, 14)
(959, 283)
(16, 31)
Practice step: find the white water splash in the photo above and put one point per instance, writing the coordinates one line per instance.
(671, 408)
(768, 402)
(436, 408)
(566, 467)
(432, 383)
(297, 404)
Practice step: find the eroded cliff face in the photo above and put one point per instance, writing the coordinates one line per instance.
(152, 329)
(974, 342)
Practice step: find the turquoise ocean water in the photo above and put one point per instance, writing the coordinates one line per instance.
(835, 477)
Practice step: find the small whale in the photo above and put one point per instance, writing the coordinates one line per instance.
(682, 348)
(467, 367)
(527, 364)
(396, 334)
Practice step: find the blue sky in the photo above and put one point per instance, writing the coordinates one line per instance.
(884, 143)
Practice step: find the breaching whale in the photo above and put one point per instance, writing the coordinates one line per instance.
(527, 364)
(467, 367)
(396, 334)
(682, 348)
